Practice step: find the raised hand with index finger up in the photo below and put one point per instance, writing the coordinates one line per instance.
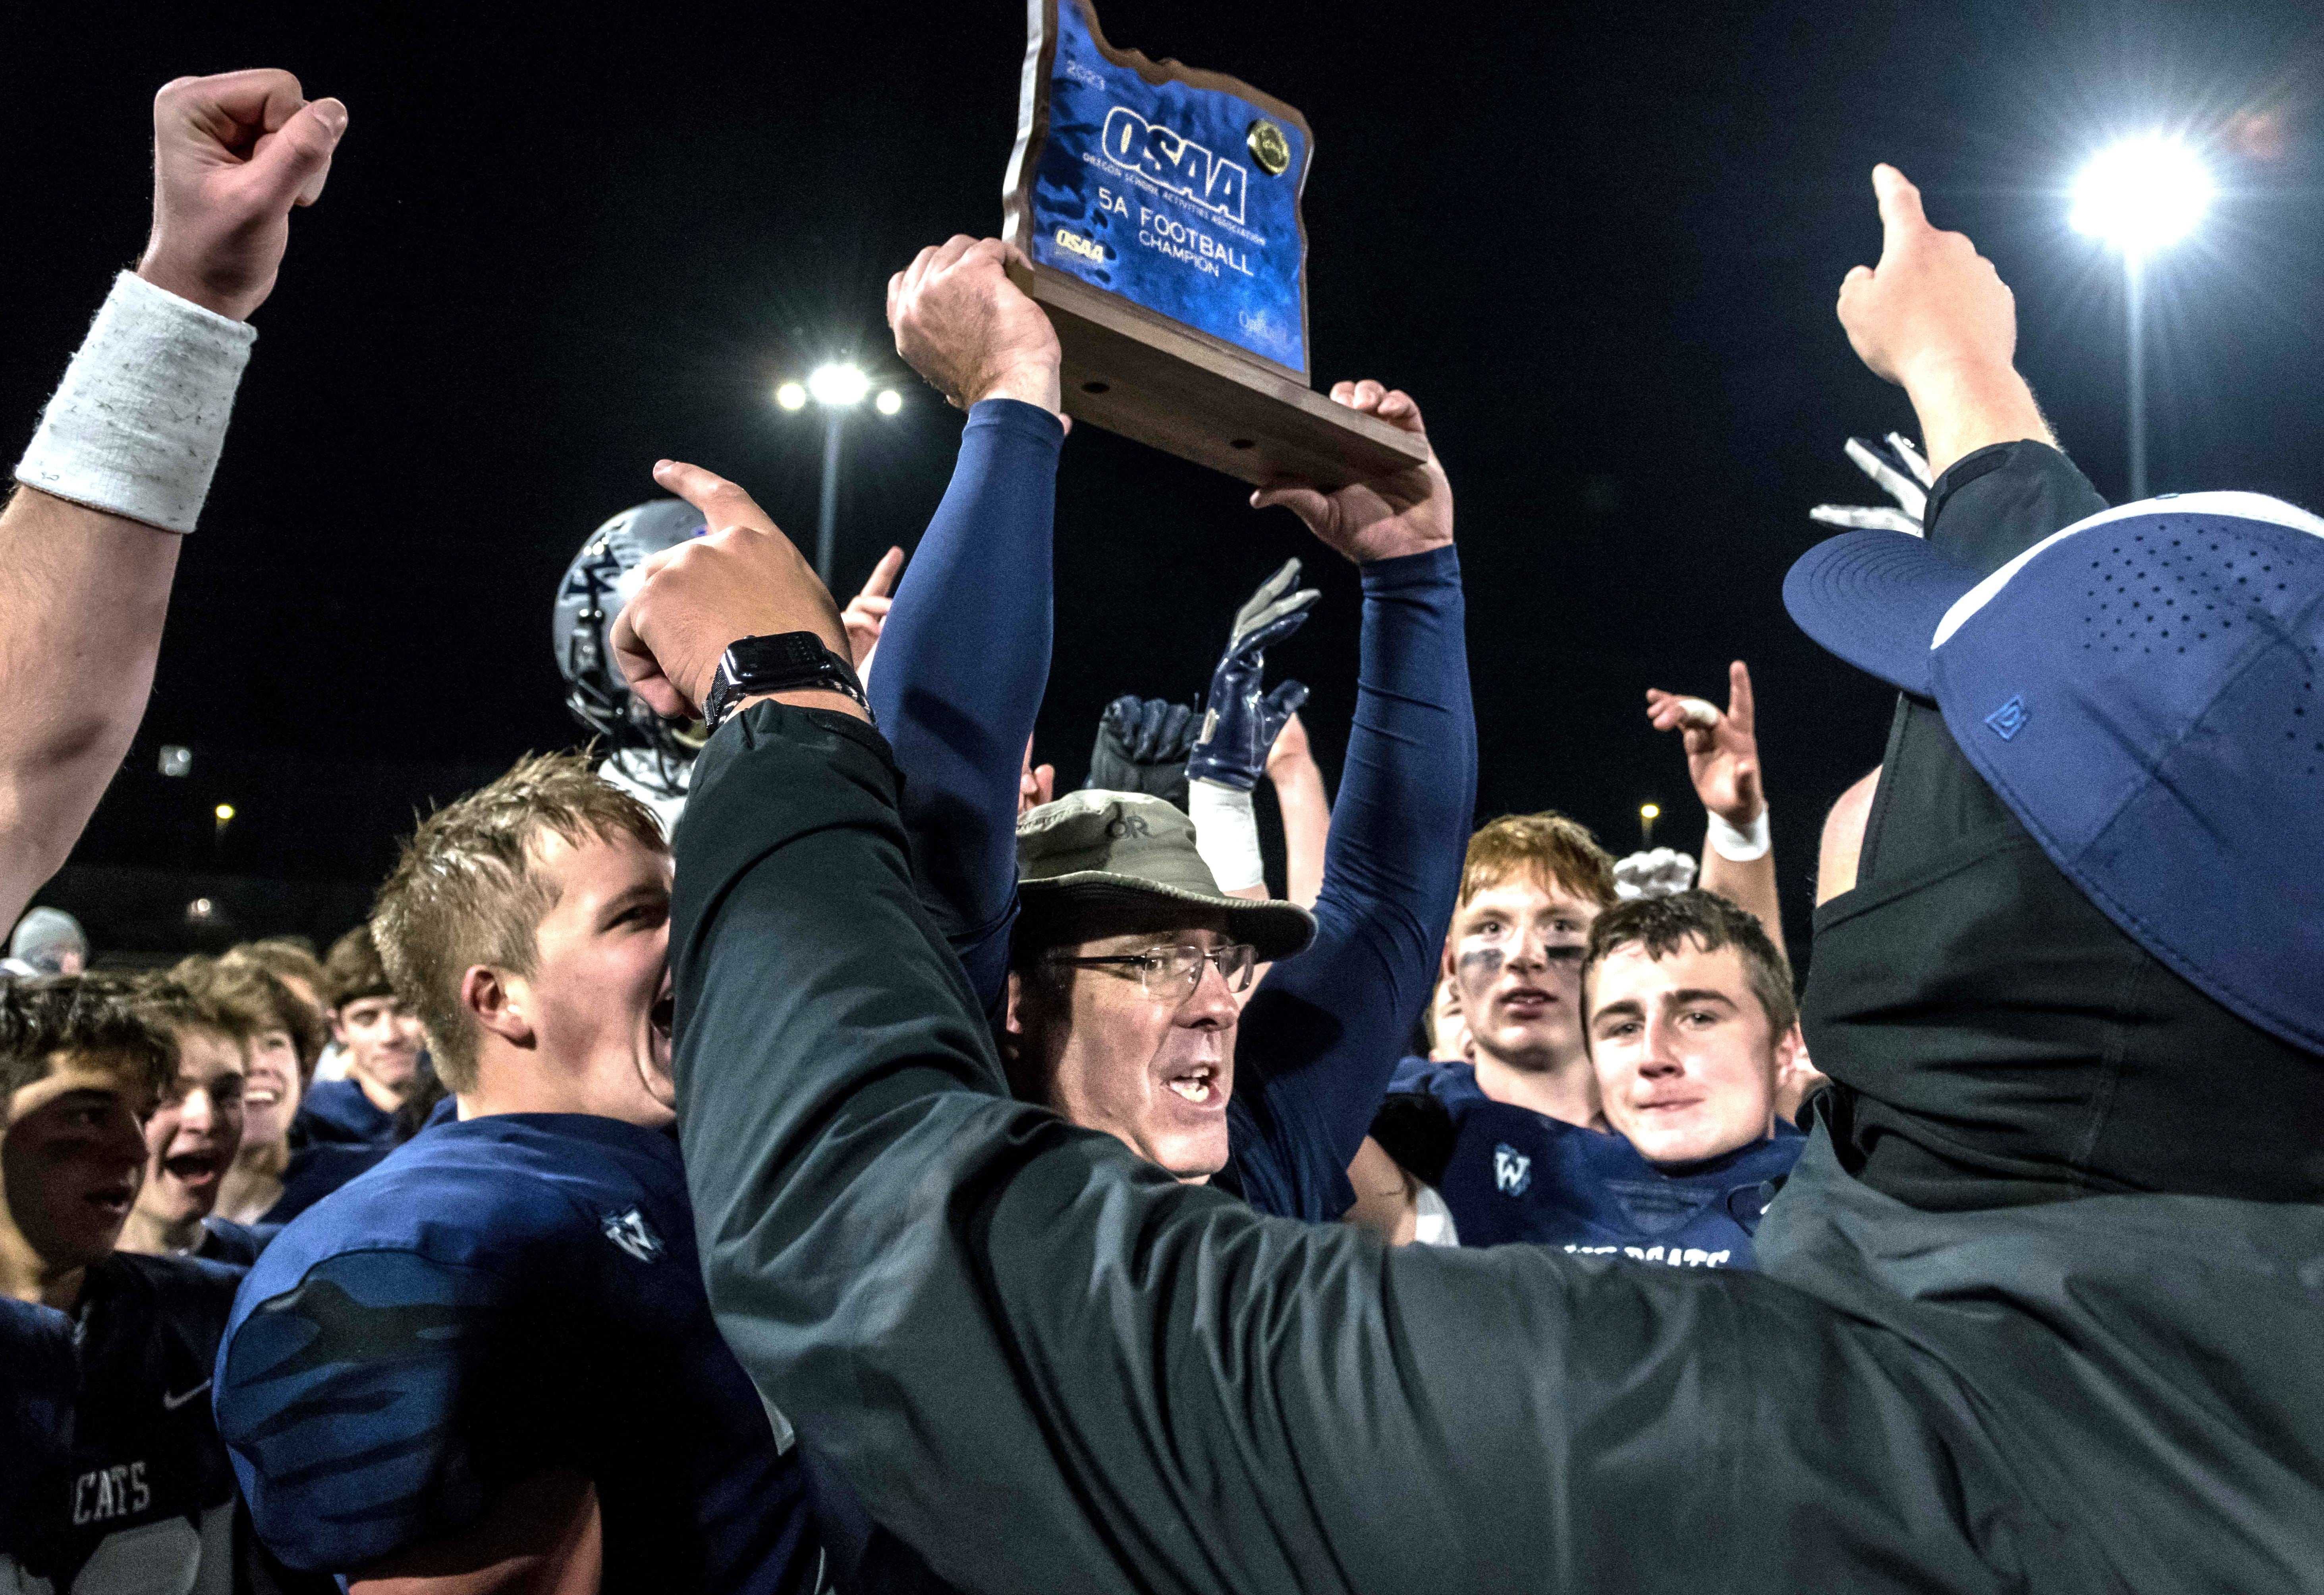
(1932, 300)
(867, 613)
(741, 579)
(1722, 748)
(1935, 318)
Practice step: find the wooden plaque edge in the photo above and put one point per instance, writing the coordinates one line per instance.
(1073, 301)
(1033, 136)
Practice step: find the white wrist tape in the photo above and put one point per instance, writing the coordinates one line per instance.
(135, 427)
(1226, 834)
(1741, 847)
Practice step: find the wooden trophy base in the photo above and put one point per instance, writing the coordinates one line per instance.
(1140, 376)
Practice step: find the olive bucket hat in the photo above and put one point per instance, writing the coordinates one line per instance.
(1096, 859)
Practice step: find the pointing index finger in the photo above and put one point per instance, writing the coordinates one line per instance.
(1901, 214)
(1741, 711)
(882, 579)
(721, 502)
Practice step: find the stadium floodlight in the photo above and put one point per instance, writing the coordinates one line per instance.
(2142, 195)
(838, 385)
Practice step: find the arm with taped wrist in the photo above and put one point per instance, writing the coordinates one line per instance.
(964, 663)
(88, 548)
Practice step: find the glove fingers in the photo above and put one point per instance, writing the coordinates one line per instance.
(1151, 716)
(1269, 590)
(1283, 701)
(1297, 602)
(1119, 715)
(1176, 732)
(1273, 629)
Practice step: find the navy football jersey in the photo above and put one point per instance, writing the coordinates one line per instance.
(502, 1297)
(237, 1244)
(317, 1169)
(36, 1391)
(336, 1112)
(115, 1478)
(1506, 1172)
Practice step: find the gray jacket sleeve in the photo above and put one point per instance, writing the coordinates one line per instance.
(1045, 1365)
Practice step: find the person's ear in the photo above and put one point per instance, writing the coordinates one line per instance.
(338, 1028)
(1446, 966)
(497, 1001)
(1012, 1020)
(1789, 1047)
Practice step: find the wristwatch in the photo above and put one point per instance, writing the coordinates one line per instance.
(789, 662)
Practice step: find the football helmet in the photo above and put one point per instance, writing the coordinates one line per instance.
(654, 752)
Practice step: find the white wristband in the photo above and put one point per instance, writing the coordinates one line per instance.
(135, 427)
(1226, 834)
(1741, 847)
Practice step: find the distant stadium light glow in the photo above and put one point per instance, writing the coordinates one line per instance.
(889, 401)
(838, 385)
(2142, 195)
(791, 396)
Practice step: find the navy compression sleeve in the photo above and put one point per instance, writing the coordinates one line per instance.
(1324, 1032)
(963, 661)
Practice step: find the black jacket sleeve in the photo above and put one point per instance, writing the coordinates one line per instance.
(1044, 1364)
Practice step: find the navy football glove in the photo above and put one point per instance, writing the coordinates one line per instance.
(1242, 718)
(1141, 747)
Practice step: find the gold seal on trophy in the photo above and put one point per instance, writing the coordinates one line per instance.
(1269, 148)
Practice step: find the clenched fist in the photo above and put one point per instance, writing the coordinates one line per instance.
(232, 155)
(973, 333)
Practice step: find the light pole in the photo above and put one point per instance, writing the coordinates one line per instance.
(2140, 196)
(835, 389)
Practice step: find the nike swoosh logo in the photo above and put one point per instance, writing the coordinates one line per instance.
(171, 1403)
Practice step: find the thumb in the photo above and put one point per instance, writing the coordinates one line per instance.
(292, 163)
(1901, 215)
(1309, 505)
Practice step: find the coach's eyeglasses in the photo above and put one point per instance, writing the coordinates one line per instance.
(1172, 974)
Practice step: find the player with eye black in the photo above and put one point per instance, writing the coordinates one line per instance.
(1612, 1108)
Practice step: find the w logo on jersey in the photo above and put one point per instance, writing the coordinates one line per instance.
(1512, 1170)
(631, 1232)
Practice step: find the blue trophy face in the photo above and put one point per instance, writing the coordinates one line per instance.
(1181, 200)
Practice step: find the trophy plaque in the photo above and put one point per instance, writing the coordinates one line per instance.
(1159, 207)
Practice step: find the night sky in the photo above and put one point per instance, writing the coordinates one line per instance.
(1600, 245)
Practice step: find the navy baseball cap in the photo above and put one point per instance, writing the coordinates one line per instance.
(2141, 690)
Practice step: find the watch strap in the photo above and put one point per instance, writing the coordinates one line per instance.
(792, 661)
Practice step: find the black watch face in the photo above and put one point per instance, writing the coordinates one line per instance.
(792, 654)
